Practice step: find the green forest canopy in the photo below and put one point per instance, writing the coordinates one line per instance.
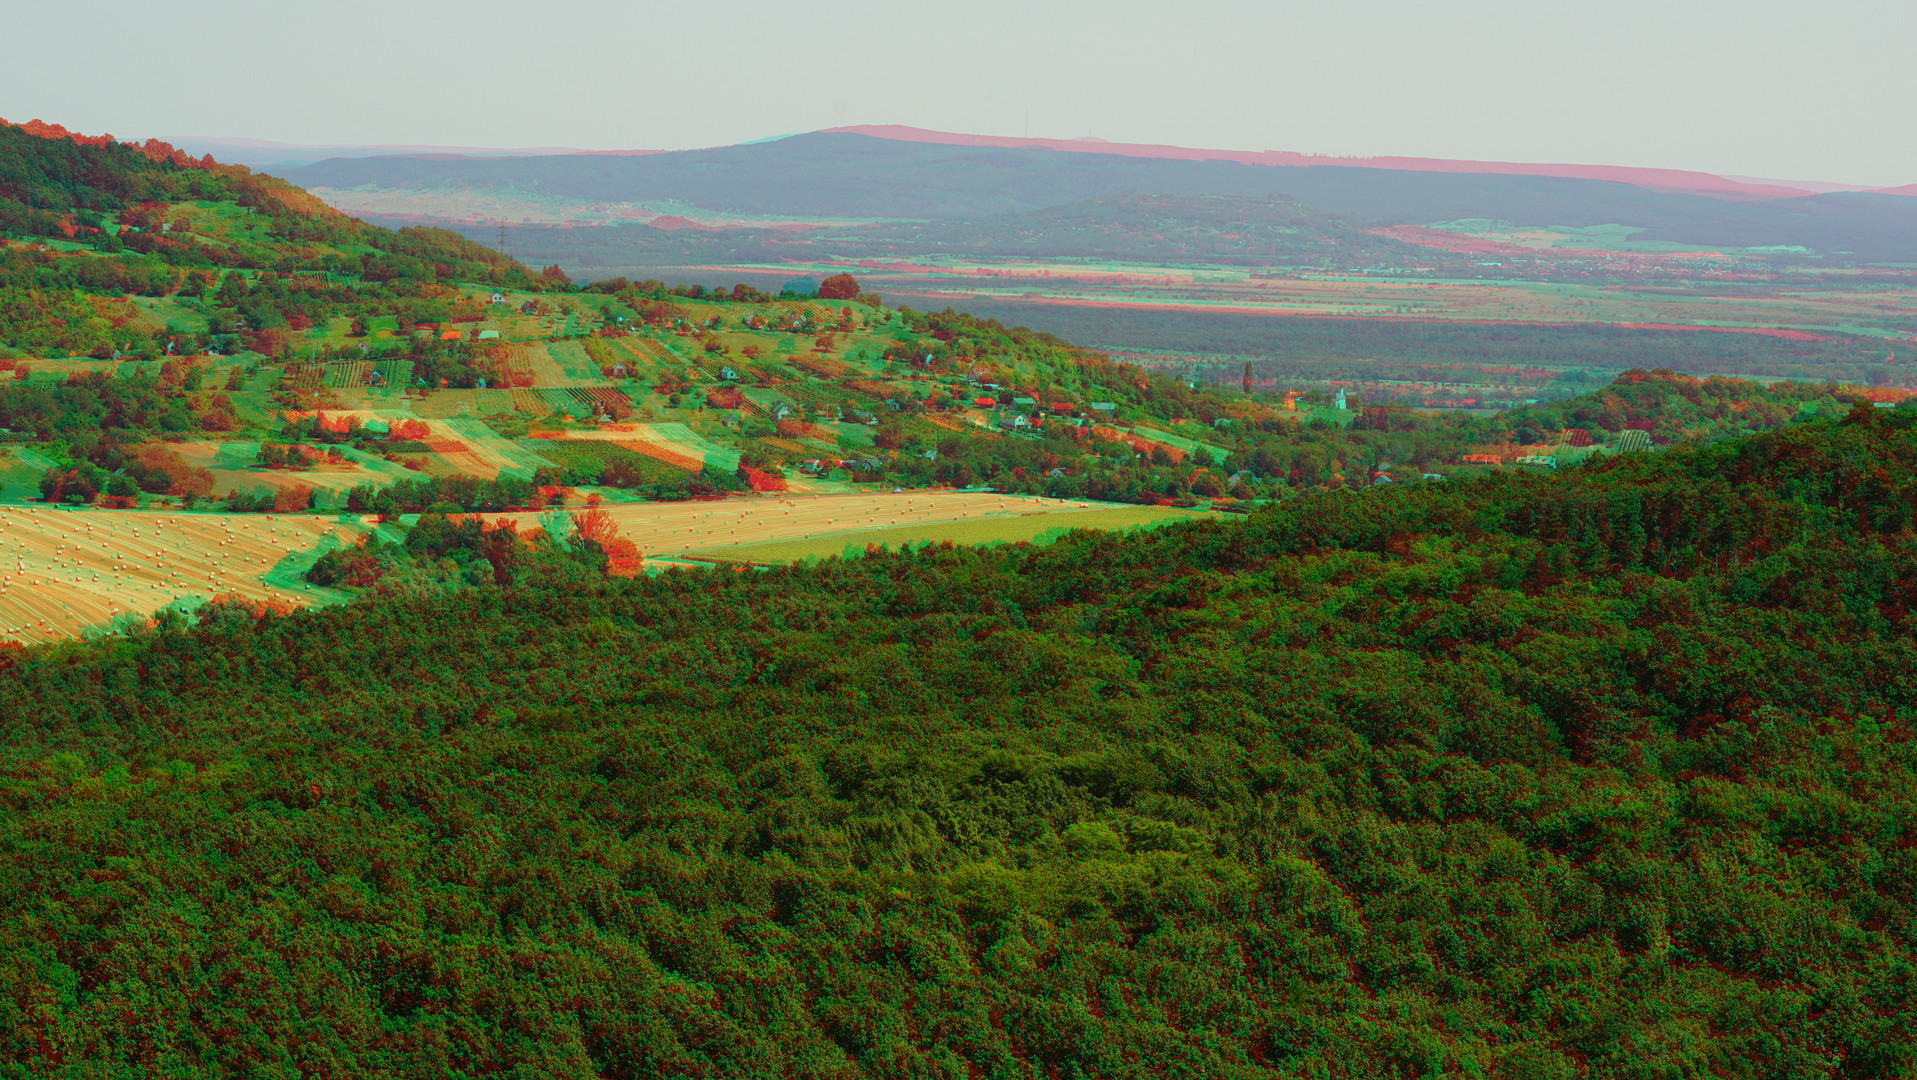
(1602, 773)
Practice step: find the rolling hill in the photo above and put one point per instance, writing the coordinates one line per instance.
(844, 175)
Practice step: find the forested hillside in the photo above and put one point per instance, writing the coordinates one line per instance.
(1606, 773)
(104, 194)
(109, 221)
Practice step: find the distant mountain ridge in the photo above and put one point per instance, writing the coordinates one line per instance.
(851, 176)
(259, 152)
(267, 154)
(1684, 180)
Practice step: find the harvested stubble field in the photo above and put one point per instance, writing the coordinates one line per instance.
(64, 570)
(783, 528)
(1031, 525)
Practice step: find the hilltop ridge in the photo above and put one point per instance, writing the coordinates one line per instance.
(1687, 180)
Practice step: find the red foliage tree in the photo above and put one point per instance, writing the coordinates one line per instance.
(622, 555)
(292, 499)
(760, 480)
(839, 287)
(595, 525)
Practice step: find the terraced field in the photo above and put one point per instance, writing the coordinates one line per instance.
(595, 454)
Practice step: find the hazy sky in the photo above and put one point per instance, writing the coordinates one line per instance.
(1754, 87)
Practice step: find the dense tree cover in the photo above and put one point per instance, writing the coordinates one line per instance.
(546, 487)
(85, 406)
(1605, 773)
(1671, 408)
(446, 550)
(654, 289)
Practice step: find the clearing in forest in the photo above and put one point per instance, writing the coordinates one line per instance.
(782, 528)
(1037, 526)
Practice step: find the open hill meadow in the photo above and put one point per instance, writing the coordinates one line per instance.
(418, 665)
